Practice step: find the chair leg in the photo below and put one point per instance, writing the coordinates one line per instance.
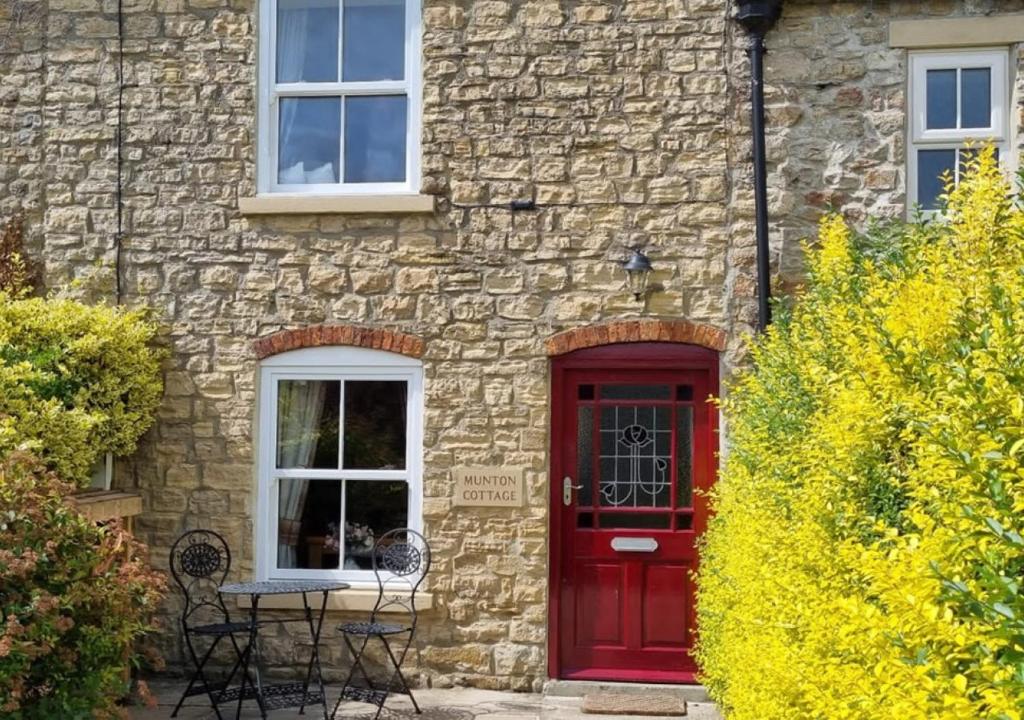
(398, 671)
(356, 663)
(199, 674)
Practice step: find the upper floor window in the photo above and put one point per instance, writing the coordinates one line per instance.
(956, 98)
(340, 459)
(339, 96)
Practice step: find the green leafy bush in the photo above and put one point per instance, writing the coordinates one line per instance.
(866, 557)
(76, 381)
(74, 599)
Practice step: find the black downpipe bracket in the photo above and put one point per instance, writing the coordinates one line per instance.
(758, 17)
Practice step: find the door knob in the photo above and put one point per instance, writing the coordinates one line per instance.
(567, 488)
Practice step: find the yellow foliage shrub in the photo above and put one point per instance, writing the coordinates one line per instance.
(76, 381)
(866, 557)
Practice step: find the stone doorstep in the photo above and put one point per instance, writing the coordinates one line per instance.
(437, 704)
(579, 688)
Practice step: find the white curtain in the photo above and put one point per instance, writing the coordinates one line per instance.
(292, 31)
(299, 405)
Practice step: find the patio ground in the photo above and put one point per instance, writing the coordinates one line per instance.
(457, 704)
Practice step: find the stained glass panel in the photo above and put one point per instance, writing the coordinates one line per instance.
(635, 456)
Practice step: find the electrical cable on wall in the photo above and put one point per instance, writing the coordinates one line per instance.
(119, 237)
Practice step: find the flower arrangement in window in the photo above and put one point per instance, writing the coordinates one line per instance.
(358, 537)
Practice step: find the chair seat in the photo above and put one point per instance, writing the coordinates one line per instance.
(225, 628)
(372, 628)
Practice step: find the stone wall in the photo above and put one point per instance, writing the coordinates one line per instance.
(625, 119)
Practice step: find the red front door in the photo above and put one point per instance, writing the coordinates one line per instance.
(633, 438)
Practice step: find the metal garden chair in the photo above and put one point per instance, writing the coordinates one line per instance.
(401, 560)
(200, 561)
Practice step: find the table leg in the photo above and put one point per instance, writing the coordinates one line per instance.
(314, 658)
(250, 647)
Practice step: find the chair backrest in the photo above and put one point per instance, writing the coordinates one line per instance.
(401, 561)
(200, 561)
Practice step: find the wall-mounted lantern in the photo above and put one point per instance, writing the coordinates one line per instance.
(638, 271)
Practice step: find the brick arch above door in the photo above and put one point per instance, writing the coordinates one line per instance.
(339, 334)
(628, 331)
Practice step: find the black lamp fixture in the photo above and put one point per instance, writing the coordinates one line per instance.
(638, 271)
(758, 17)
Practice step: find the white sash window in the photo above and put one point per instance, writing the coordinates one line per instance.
(958, 100)
(340, 459)
(339, 96)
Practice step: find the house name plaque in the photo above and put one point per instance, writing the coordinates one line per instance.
(488, 486)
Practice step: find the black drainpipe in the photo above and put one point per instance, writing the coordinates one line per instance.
(758, 17)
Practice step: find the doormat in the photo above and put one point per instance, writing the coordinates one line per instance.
(608, 703)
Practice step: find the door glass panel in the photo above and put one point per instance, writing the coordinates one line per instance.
(941, 99)
(975, 97)
(375, 424)
(684, 392)
(684, 453)
(307, 423)
(684, 522)
(636, 521)
(635, 392)
(586, 392)
(585, 520)
(635, 456)
(585, 455)
(308, 518)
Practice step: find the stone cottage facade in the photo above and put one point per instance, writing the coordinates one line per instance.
(358, 319)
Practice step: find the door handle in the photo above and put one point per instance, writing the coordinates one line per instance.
(567, 488)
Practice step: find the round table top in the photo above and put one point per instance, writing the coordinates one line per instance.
(282, 587)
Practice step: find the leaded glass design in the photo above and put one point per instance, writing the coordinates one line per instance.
(635, 456)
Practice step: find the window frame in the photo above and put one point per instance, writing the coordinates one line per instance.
(331, 363)
(919, 137)
(270, 92)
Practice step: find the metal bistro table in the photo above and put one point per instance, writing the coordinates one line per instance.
(281, 695)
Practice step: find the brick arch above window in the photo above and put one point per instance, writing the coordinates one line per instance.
(628, 331)
(351, 335)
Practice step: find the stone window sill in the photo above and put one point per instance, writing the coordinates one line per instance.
(352, 600)
(338, 205)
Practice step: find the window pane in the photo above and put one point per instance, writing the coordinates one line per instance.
(308, 518)
(976, 97)
(307, 41)
(375, 424)
(931, 166)
(967, 155)
(309, 138)
(307, 423)
(371, 509)
(636, 392)
(941, 99)
(375, 139)
(374, 45)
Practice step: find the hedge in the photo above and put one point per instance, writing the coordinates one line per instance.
(866, 553)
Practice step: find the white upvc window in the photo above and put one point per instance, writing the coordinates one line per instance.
(340, 96)
(340, 459)
(958, 100)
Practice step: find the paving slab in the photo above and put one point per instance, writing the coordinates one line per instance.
(453, 704)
